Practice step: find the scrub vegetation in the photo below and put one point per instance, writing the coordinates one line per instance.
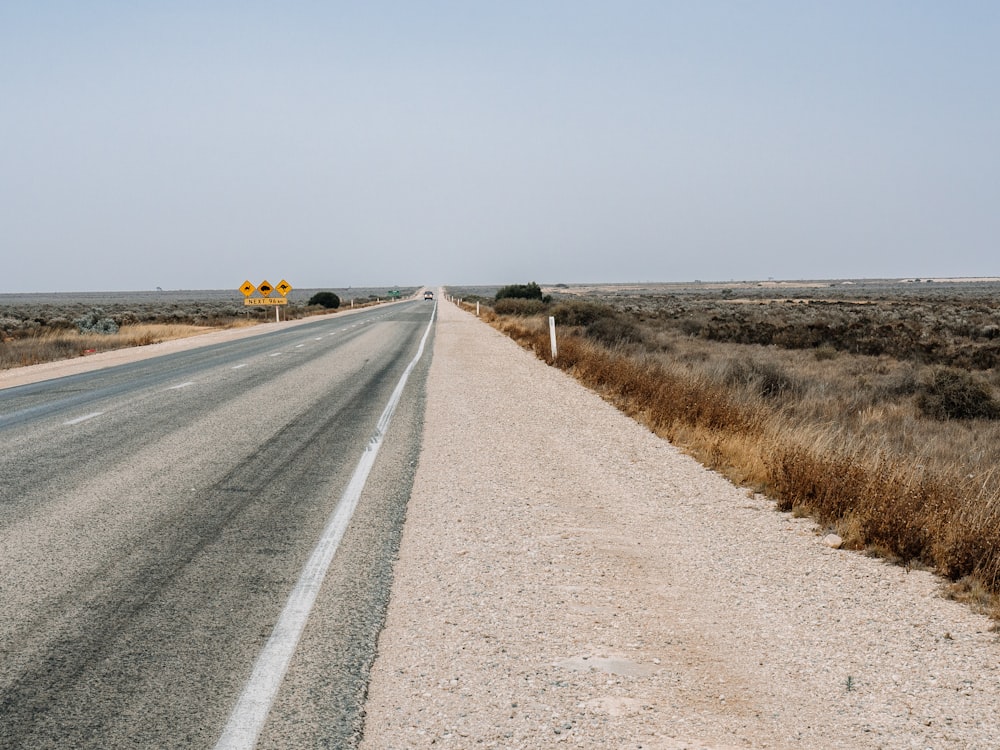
(36, 328)
(329, 300)
(871, 407)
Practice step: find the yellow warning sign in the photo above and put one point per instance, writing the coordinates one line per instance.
(248, 289)
(283, 288)
(265, 288)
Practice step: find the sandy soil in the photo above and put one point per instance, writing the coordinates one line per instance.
(566, 578)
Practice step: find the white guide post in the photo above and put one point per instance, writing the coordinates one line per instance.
(552, 336)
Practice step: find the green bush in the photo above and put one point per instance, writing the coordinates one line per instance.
(96, 322)
(951, 393)
(520, 291)
(328, 300)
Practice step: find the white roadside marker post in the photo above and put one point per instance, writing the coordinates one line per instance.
(552, 336)
(477, 308)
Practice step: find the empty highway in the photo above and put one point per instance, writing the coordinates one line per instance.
(155, 518)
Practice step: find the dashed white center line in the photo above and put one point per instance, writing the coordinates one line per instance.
(299, 346)
(274, 354)
(180, 385)
(84, 418)
(236, 367)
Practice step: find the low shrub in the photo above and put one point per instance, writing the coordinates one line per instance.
(520, 291)
(9, 325)
(766, 379)
(519, 306)
(96, 322)
(328, 300)
(600, 322)
(580, 312)
(614, 331)
(951, 393)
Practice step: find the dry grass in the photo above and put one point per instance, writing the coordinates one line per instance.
(54, 345)
(839, 437)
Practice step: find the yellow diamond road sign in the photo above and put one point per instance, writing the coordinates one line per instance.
(283, 288)
(265, 288)
(248, 289)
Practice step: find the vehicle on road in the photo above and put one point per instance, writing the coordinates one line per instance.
(428, 295)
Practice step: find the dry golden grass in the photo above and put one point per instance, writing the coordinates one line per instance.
(841, 440)
(66, 343)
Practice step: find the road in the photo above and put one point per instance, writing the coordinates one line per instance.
(155, 516)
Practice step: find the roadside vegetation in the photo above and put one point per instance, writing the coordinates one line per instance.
(329, 300)
(37, 328)
(55, 344)
(874, 412)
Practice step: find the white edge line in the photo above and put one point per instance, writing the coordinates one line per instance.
(84, 418)
(248, 716)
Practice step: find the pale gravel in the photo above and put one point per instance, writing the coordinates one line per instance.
(568, 579)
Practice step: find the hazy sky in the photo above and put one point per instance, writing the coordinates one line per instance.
(197, 144)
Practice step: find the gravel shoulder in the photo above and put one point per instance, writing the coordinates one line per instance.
(567, 578)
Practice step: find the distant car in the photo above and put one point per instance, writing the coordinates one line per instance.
(428, 295)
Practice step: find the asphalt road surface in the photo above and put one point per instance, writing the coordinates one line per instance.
(155, 516)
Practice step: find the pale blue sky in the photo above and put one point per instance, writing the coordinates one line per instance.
(197, 144)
